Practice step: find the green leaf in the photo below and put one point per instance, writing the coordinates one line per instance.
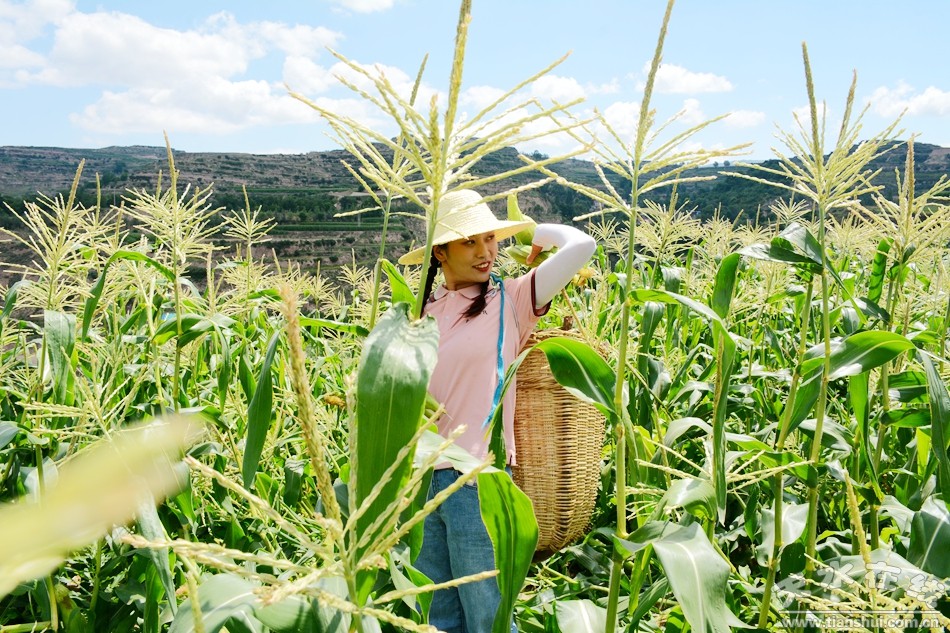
(697, 573)
(858, 386)
(193, 326)
(9, 301)
(930, 537)
(864, 351)
(297, 614)
(135, 256)
(401, 292)
(581, 370)
(648, 598)
(878, 271)
(405, 576)
(697, 496)
(907, 417)
(60, 332)
(89, 308)
(394, 370)
(152, 529)
(580, 616)
(524, 236)
(260, 410)
(339, 326)
(222, 597)
(513, 528)
(856, 354)
(698, 577)
(224, 368)
(8, 431)
(791, 246)
(725, 285)
(902, 515)
(725, 357)
(794, 518)
(940, 419)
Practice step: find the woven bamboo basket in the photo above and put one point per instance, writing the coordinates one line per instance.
(558, 440)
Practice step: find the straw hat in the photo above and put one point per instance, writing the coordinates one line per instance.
(462, 214)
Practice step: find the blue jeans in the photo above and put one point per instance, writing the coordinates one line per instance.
(456, 544)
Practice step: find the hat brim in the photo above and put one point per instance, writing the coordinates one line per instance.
(503, 229)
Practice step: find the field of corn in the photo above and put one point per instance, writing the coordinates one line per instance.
(253, 455)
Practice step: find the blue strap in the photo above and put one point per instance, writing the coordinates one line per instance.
(500, 366)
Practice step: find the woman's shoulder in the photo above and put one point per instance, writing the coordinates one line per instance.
(517, 282)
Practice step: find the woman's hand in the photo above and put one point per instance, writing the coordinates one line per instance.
(546, 237)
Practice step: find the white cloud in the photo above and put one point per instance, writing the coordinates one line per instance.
(16, 57)
(691, 113)
(480, 97)
(892, 102)
(672, 79)
(556, 88)
(609, 88)
(744, 118)
(305, 76)
(156, 78)
(120, 49)
(26, 20)
(365, 6)
(20, 23)
(623, 116)
(224, 108)
(294, 40)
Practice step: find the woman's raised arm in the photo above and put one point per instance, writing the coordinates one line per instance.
(574, 249)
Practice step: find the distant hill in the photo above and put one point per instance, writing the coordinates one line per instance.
(304, 191)
(317, 184)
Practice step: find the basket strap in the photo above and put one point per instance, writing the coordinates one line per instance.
(500, 365)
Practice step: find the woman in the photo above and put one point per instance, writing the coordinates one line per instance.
(472, 337)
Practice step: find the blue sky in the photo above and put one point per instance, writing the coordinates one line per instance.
(212, 74)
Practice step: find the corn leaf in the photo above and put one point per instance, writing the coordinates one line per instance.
(259, 413)
(698, 577)
(878, 271)
(930, 538)
(580, 616)
(513, 528)
(697, 573)
(92, 301)
(399, 287)
(856, 354)
(224, 599)
(725, 285)
(339, 326)
(299, 613)
(60, 331)
(152, 529)
(794, 516)
(940, 419)
(581, 370)
(8, 431)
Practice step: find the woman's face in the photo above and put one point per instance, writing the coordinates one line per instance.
(467, 262)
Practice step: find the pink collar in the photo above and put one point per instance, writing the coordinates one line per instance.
(469, 292)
